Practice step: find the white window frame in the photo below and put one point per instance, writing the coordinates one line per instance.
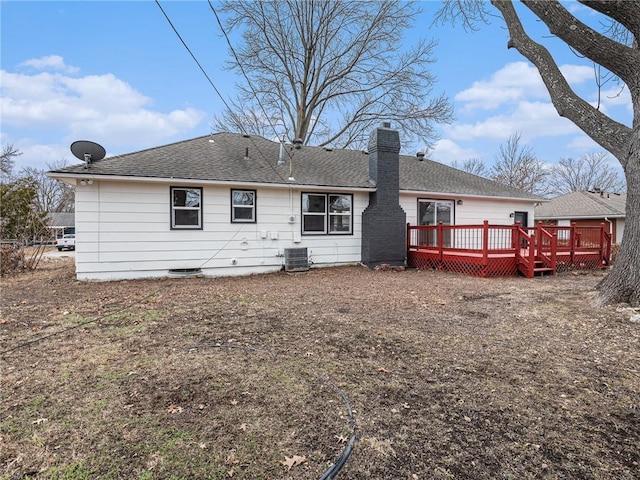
(252, 207)
(433, 236)
(326, 214)
(183, 208)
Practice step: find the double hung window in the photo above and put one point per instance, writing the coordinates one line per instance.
(327, 213)
(243, 206)
(186, 208)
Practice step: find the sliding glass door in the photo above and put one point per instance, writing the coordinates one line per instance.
(431, 212)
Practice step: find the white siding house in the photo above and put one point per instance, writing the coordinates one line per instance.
(229, 204)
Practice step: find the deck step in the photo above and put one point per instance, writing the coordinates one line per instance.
(543, 270)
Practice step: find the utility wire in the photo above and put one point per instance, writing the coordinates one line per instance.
(244, 132)
(244, 73)
(191, 53)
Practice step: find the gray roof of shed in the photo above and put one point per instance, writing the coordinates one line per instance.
(222, 157)
(583, 204)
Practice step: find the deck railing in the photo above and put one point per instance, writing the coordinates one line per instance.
(534, 248)
(461, 237)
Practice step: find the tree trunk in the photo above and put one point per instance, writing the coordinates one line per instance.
(622, 284)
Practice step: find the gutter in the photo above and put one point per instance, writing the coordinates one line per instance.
(449, 195)
(70, 178)
(578, 217)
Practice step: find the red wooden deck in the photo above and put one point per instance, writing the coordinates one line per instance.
(507, 250)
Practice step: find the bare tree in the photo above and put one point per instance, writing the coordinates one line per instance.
(9, 152)
(614, 49)
(516, 165)
(590, 171)
(327, 72)
(472, 165)
(51, 195)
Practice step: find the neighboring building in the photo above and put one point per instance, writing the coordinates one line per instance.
(62, 223)
(586, 209)
(231, 204)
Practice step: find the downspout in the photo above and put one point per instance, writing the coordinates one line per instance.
(610, 222)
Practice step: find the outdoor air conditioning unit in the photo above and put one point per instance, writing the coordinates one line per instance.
(296, 260)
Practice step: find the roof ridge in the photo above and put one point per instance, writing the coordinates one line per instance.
(597, 199)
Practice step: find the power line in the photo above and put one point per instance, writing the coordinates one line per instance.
(244, 74)
(191, 53)
(166, 16)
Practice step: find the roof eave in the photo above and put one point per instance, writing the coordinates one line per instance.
(71, 178)
(473, 196)
(578, 217)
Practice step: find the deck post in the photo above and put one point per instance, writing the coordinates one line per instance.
(532, 254)
(572, 241)
(440, 241)
(408, 236)
(554, 248)
(485, 242)
(539, 238)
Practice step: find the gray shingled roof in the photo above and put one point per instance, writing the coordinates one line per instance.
(583, 204)
(62, 219)
(223, 157)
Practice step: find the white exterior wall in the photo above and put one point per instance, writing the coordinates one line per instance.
(123, 231)
(473, 211)
(619, 229)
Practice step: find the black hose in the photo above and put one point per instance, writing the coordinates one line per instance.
(339, 465)
(224, 345)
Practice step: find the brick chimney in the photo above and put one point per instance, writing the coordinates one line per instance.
(384, 220)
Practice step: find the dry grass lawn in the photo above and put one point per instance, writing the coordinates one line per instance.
(448, 377)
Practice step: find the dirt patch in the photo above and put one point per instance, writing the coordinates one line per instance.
(447, 377)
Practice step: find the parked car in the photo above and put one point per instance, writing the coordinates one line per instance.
(66, 242)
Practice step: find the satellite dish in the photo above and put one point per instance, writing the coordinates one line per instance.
(88, 151)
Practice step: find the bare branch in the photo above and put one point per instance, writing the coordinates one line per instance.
(623, 12)
(469, 13)
(472, 165)
(9, 152)
(516, 165)
(590, 171)
(331, 70)
(611, 135)
(614, 56)
(613, 50)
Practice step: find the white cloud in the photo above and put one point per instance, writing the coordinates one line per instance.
(58, 108)
(447, 151)
(136, 127)
(510, 84)
(531, 119)
(576, 74)
(514, 82)
(513, 99)
(51, 62)
(39, 156)
(54, 99)
(583, 144)
(616, 103)
(617, 95)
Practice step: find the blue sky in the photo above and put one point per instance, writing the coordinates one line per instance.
(115, 73)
